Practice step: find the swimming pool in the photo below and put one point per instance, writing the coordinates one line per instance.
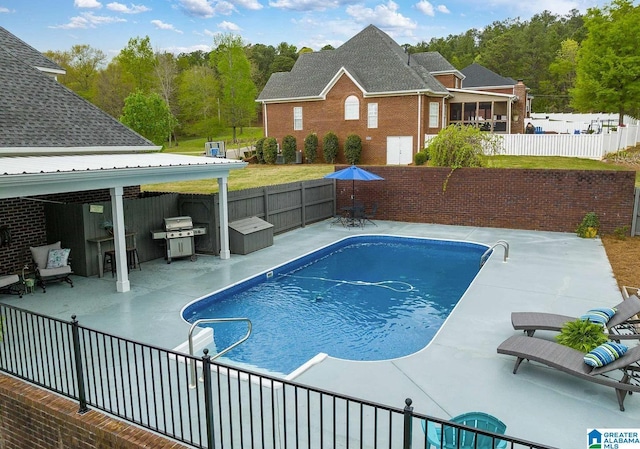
(362, 298)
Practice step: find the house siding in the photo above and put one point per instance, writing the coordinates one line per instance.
(397, 116)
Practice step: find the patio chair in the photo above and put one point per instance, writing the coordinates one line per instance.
(368, 217)
(51, 264)
(11, 285)
(622, 326)
(571, 361)
(452, 437)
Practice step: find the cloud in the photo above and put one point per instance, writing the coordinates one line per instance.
(385, 16)
(425, 8)
(308, 5)
(4, 10)
(224, 8)
(159, 24)
(198, 8)
(253, 5)
(93, 4)
(88, 20)
(229, 26)
(443, 9)
(133, 9)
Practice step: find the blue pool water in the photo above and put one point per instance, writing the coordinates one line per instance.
(363, 298)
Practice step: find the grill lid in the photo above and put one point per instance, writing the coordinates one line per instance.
(177, 223)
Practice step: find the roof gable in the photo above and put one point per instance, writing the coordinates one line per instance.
(371, 57)
(479, 76)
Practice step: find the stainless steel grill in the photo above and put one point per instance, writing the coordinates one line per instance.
(178, 235)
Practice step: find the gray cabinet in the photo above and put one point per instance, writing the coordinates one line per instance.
(249, 234)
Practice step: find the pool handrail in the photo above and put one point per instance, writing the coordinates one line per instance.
(485, 256)
(192, 383)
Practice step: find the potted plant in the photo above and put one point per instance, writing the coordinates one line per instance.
(582, 335)
(107, 225)
(589, 226)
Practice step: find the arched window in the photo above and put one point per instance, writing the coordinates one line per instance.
(351, 108)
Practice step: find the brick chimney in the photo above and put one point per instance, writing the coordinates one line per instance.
(519, 108)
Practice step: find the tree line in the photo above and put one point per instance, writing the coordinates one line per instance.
(573, 62)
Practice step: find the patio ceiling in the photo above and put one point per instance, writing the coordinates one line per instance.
(40, 175)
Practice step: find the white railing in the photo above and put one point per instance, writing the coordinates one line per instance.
(587, 146)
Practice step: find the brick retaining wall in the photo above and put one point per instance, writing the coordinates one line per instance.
(545, 200)
(31, 417)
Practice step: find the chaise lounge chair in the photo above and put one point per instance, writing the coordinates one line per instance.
(621, 326)
(571, 361)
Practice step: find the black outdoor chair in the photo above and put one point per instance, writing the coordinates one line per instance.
(368, 217)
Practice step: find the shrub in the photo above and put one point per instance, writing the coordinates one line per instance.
(311, 147)
(270, 150)
(421, 157)
(260, 149)
(460, 146)
(330, 147)
(353, 149)
(289, 149)
(582, 335)
(589, 226)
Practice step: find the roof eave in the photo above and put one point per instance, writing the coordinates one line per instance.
(59, 151)
(480, 92)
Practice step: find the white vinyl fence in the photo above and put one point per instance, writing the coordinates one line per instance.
(569, 138)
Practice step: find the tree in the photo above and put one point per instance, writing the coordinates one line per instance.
(261, 57)
(112, 86)
(198, 98)
(238, 91)
(460, 146)
(82, 65)
(138, 61)
(608, 69)
(148, 115)
(166, 72)
(270, 150)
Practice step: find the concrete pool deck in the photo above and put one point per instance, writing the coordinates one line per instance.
(458, 371)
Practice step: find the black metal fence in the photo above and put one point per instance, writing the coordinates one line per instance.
(221, 407)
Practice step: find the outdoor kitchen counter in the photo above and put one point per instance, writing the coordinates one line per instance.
(108, 238)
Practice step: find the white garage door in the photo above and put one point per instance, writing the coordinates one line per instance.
(399, 150)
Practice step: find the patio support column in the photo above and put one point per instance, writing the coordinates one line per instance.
(119, 240)
(223, 211)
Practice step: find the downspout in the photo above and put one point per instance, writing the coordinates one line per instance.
(264, 119)
(443, 120)
(419, 146)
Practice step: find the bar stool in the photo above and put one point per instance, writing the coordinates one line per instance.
(109, 258)
(132, 258)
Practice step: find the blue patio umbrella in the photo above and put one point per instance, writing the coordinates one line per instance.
(354, 174)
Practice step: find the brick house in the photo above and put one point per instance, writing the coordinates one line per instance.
(57, 147)
(371, 87)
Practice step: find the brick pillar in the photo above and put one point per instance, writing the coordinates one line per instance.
(519, 108)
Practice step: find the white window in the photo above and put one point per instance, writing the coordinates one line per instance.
(434, 109)
(372, 115)
(352, 108)
(297, 118)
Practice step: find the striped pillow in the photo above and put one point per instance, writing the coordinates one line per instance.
(600, 315)
(605, 354)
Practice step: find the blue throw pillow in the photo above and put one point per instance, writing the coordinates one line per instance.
(600, 315)
(604, 354)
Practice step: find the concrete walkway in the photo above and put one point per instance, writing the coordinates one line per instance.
(459, 371)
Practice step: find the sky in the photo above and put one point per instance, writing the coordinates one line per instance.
(183, 26)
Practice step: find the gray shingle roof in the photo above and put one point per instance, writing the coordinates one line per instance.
(375, 61)
(26, 53)
(479, 76)
(37, 111)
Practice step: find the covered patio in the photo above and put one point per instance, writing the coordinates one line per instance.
(26, 176)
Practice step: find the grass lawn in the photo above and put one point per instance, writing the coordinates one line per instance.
(256, 175)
